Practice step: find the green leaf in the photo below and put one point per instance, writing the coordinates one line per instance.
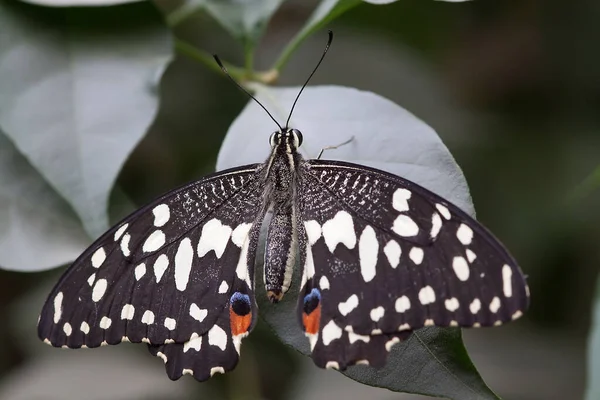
(76, 95)
(593, 365)
(38, 229)
(244, 20)
(434, 361)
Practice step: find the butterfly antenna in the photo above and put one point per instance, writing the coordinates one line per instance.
(310, 76)
(244, 90)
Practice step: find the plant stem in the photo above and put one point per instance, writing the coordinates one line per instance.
(207, 59)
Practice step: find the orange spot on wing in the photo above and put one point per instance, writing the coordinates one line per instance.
(311, 321)
(239, 323)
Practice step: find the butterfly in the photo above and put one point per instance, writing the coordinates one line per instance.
(380, 257)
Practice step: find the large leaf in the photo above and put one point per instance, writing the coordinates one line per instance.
(38, 229)
(244, 20)
(434, 361)
(593, 365)
(76, 97)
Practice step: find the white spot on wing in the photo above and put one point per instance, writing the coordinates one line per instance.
(475, 306)
(170, 323)
(517, 314)
(154, 242)
(331, 332)
(217, 337)
(461, 268)
(197, 313)
(240, 233)
(443, 210)
(426, 295)
(127, 312)
(162, 356)
(400, 199)
(390, 343)
(120, 232)
(313, 231)
(495, 304)
(377, 313)
(98, 257)
(214, 237)
(402, 304)
(332, 365)
(161, 215)
(241, 270)
(105, 323)
(405, 226)
(471, 256)
(312, 339)
(58, 307)
(464, 234)
(125, 244)
(339, 229)
(507, 280)
(217, 370)
(91, 279)
(392, 251)
(183, 264)
(451, 304)
(347, 306)
(324, 283)
(354, 337)
(195, 343)
(67, 329)
(99, 289)
(368, 247)
(148, 317)
(160, 266)
(436, 225)
(416, 254)
(85, 328)
(224, 287)
(140, 271)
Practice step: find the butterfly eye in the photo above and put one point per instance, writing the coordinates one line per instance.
(297, 136)
(274, 139)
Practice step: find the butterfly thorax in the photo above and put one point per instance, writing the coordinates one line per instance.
(280, 183)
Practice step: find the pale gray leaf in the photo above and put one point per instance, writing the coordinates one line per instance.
(38, 229)
(386, 136)
(76, 101)
(244, 20)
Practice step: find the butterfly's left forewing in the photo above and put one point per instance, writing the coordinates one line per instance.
(177, 274)
(385, 256)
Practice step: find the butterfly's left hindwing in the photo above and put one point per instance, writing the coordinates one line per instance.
(385, 257)
(177, 274)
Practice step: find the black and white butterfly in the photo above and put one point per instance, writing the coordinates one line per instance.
(380, 257)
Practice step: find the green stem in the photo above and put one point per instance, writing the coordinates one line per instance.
(326, 12)
(207, 59)
(587, 186)
(249, 58)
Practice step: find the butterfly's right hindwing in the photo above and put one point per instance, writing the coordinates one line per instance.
(172, 272)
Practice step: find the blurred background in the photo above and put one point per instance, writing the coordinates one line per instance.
(512, 88)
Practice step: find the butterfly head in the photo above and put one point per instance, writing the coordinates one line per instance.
(289, 138)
